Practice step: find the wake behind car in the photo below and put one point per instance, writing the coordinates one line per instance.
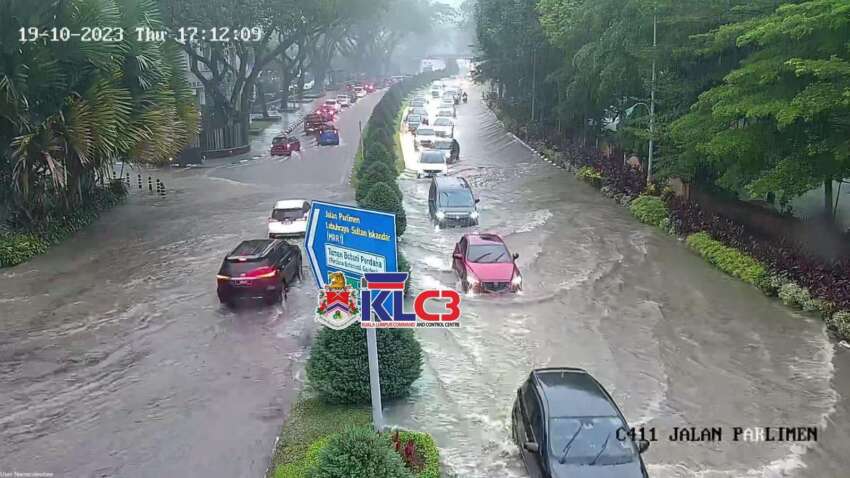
(431, 163)
(451, 203)
(567, 425)
(284, 145)
(424, 137)
(258, 268)
(289, 218)
(484, 264)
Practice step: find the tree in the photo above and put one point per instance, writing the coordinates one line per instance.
(338, 367)
(374, 173)
(381, 197)
(69, 109)
(781, 122)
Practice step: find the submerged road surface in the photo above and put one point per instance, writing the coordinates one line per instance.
(116, 359)
(676, 342)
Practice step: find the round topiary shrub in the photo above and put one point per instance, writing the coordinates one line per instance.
(373, 173)
(382, 197)
(359, 453)
(338, 367)
(374, 151)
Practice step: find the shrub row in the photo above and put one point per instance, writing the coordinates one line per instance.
(360, 452)
(651, 210)
(20, 246)
(728, 259)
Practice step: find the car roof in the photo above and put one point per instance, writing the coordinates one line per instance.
(290, 204)
(253, 248)
(484, 238)
(451, 182)
(432, 152)
(572, 392)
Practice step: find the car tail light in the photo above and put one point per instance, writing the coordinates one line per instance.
(264, 272)
(271, 220)
(222, 278)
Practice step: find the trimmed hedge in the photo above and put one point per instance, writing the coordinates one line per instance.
(18, 248)
(338, 367)
(651, 210)
(382, 197)
(359, 453)
(374, 173)
(303, 467)
(729, 260)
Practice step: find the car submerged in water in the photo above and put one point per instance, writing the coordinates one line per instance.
(483, 263)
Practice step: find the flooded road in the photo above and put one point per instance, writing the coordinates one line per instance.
(116, 359)
(676, 342)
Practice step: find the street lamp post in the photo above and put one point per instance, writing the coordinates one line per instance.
(652, 102)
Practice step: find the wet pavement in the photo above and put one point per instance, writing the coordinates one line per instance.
(116, 359)
(676, 342)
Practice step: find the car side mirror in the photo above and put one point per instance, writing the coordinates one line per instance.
(516, 255)
(531, 446)
(643, 445)
(457, 255)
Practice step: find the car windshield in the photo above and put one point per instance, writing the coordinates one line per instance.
(287, 214)
(447, 145)
(432, 157)
(444, 113)
(424, 132)
(280, 140)
(443, 122)
(456, 198)
(488, 253)
(590, 440)
(420, 111)
(413, 118)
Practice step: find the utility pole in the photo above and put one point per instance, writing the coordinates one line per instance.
(652, 101)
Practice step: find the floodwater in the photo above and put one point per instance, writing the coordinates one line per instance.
(116, 359)
(676, 342)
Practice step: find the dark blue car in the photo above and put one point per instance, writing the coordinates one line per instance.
(328, 136)
(566, 425)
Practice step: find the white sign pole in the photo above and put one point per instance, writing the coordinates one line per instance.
(374, 378)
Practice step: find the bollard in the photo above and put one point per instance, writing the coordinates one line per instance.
(140, 181)
(162, 189)
(150, 184)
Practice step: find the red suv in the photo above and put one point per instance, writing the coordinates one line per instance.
(285, 145)
(484, 264)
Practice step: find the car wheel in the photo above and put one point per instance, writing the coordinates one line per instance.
(275, 297)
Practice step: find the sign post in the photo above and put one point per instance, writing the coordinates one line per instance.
(353, 241)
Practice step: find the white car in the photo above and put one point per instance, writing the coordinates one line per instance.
(360, 92)
(424, 137)
(343, 100)
(333, 104)
(289, 218)
(444, 127)
(431, 163)
(445, 113)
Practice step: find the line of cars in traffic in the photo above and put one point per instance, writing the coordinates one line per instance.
(266, 268)
(481, 260)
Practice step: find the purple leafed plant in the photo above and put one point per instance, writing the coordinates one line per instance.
(409, 453)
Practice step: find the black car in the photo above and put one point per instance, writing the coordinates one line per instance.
(567, 425)
(259, 268)
(451, 202)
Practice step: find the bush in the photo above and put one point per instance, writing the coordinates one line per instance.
(650, 210)
(308, 422)
(374, 152)
(359, 453)
(590, 175)
(727, 259)
(419, 453)
(338, 367)
(382, 197)
(793, 295)
(18, 248)
(378, 133)
(404, 266)
(839, 323)
(374, 173)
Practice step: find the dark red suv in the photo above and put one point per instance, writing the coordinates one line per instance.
(484, 264)
(259, 268)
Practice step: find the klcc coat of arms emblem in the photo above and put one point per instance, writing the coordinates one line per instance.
(337, 307)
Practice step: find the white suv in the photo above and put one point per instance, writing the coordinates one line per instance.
(343, 100)
(289, 218)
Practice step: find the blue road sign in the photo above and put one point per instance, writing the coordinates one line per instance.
(350, 240)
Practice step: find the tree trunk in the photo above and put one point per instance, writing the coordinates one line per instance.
(261, 95)
(286, 80)
(827, 199)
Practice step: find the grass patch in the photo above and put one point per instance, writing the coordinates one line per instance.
(310, 420)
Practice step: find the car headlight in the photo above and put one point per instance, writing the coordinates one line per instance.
(441, 215)
(473, 281)
(517, 280)
(474, 214)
